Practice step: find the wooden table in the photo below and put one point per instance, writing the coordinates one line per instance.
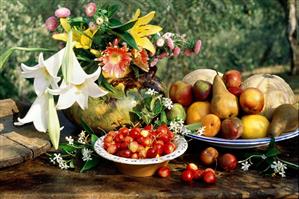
(37, 178)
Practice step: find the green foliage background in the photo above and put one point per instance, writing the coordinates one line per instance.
(241, 34)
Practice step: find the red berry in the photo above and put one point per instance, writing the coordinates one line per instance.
(168, 148)
(209, 177)
(228, 162)
(151, 153)
(123, 145)
(149, 127)
(119, 138)
(128, 139)
(187, 176)
(134, 156)
(164, 137)
(164, 172)
(112, 148)
(197, 174)
(135, 132)
(133, 146)
(159, 148)
(147, 141)
(108, 138)
(162, 129)
(170, 135)
(192, 166)
(125, 153)
(210, 169)
(124, 131)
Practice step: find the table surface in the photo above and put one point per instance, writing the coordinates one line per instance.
(37, 178)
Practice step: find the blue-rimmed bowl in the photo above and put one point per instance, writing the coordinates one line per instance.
(141, 167)
(243, 143)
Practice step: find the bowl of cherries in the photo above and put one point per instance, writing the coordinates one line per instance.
(141, 151)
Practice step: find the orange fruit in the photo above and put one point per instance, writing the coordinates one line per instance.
(197, 111)
(212, 124)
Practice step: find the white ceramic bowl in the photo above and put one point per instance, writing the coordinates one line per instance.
(141, 167)
(243, 143)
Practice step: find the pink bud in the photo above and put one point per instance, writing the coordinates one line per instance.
(176, 51)
(170, 43)
(90, 9)
(51, 23)
(163, 55)
(188, 52)
(197, 47)
(154, 62)
(160, 42)
(62, 12)
(92, 26)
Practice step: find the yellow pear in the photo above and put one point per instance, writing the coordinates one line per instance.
(223, 104)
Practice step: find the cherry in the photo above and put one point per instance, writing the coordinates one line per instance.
(228, 162)
(187, 176)
(151, 153)
(168, 148)
(164, 172)
(209, 177)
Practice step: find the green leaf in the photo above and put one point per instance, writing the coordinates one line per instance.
(123, 27)
(163, 117)
(94, 138)
(86, 127)
(127, 37)
(4, 57)
(136, 71)
(67, 148)
(111, 10)
(89, 164)
(114, 22)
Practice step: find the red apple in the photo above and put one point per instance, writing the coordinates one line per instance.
(232, 78)
(231, 128)
(181, 92)
(202, 90)
(252, 100)
(228, 162)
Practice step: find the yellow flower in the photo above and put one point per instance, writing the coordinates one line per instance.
(83, 40)
(142, 29)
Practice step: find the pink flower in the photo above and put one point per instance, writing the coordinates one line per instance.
(92, 26)
(188, 52)
(51, 23)
(197, 47)
(176, 51)
(170, 43)
(62, 12)
(90, 9)
(160, 42)
(154, 62)
(163, 55)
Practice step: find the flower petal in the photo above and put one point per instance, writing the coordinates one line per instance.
(37, 114)
(82, 100)
(146, 43)
(54, 62)
(60, 36)
(65, 24)
(53, 123)
(93, 90)
(29, 72)
(40, 84)
(136, 15)
(66, 99)
(145, 19)
(147, 30)
(78, 75)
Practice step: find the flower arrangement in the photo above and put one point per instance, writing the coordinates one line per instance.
(109, 50)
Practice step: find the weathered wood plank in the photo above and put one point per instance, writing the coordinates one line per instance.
(12, 153)
(8, 107)
(18, 143)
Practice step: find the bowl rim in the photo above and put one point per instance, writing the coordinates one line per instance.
(181, 148)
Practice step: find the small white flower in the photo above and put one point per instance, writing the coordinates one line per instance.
(160, 42)
(57, 157)
(168, 35)
(178, 127)
(70, 140)
(245, 166)
(264, 157)
(81, 138)
(63, 165)
(52, 160)
(151, 92)
(279, 168)
(86, 153)
(201, 130)
(167, 103)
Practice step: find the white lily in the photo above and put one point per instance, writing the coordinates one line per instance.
(37, 114)
(45, 72)
(44, 116)
(71, 93)
(76, 86)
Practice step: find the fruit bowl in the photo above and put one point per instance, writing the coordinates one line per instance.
(141, 167)
(243, 143)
